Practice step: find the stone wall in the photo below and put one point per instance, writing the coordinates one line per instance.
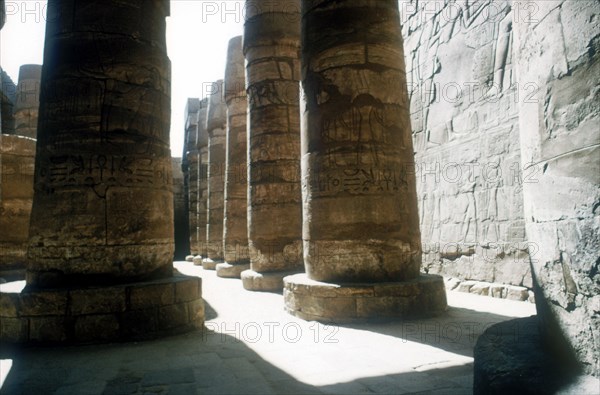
(558, 52)
(464, 111)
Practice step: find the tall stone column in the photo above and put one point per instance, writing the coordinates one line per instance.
(202, 214)
(28, 100)
(362, 246)
(17, 156)
(216, 121)
(101, 234)
(191, 163)
(271, 48)
(235, 225)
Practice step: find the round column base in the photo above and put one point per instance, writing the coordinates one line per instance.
(228, 270)
(209, 264)
(269, 282)
(123, 312)
(189, 258)
(312, 300)
(197, 260)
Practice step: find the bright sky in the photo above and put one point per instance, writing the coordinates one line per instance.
(198, 32)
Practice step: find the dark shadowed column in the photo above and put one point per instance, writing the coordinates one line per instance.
(28, 100)
(216, 121)
(101, 236)
(271, 48)
(202, 214)
(192, 162)
(235, 225)
(361, 224)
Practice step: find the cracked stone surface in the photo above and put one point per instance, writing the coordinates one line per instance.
(103, 206)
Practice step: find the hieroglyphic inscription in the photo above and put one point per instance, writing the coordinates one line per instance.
(72, 170)
(367, 180)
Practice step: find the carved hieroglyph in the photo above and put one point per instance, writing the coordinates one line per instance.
(360, 212)
(216, 126)
(235, 231)
(464, 111)
(103, 205)
(271, 48)
(28, 100)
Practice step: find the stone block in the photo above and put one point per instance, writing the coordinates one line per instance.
(196, 312)
(14, 330)
(480, 288)
(97, 300)
(187, 290)
(517, 293)
(93, 328)
(39, 303)
(51, 329)
(139, 323)
(9, 305)
(173, 316)
(153, 295)
(465, 286)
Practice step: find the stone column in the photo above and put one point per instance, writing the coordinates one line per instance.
(235, 225)
(362, 246)
(192, 162)
(202, 214)
(101, 234)
(216, 121)
(17, 156)
(560, 149)
(28, 100)
(271, 48)
(180, 221)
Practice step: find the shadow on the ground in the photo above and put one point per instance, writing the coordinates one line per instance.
(456, 331)
(195, 363)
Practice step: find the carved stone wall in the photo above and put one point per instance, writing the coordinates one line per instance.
(558, 52)
(464, 111)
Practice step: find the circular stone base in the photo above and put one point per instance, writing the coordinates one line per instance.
(197, 260)
(255, 281)
(189, 258)
(312, 300)
(123, 312)
(209, 264)
(228, 270)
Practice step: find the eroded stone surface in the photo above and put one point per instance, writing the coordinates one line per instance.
(360, 213)
(235, 225)
(182, 241)
(352, 302)
(28, 100)
(464, 113)
(271, 48)
(17, 156)
(216, 121)
(103, 205)
(142, 310)
(191, 165)
(202, 147)
(560, 152)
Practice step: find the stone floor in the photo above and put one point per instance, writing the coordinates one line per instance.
(253, 347)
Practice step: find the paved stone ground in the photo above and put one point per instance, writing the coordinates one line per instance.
(251, 346)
